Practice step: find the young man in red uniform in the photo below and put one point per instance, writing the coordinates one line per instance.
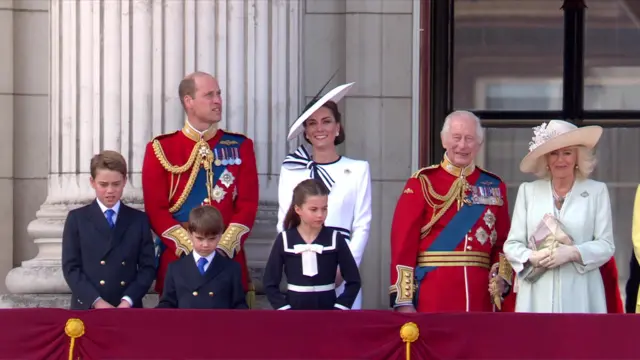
(200, 164)
(448, 230)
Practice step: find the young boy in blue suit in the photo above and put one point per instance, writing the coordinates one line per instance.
(107, 249)
(202, 279)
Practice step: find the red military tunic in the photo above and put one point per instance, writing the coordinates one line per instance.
(185, 169)
(457, 264)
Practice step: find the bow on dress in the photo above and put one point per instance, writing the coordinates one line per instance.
(301, 159)
(309, 257)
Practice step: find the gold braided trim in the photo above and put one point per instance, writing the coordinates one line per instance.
(201, 155)
(230, 242)
(404, 286)
(159, 152)
(180, 236)
(455, 194)
(454, 258)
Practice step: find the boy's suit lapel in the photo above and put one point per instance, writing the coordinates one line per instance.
(217, 264)
(122, 223)
(195, 279)
(112, 237)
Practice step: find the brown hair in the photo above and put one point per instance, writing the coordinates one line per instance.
(108, 160)
(333, 107)
(305, 189)
(205, 220)
(188, 86)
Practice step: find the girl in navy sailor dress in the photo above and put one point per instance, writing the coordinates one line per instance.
(309, 254)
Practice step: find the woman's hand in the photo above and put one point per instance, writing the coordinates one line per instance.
(560, 256)
(536, 258)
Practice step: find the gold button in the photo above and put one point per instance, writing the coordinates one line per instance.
(195, 293)
(407, 287)
(102, 262)
(124, 263)
(210, 293)
(101, 282)
(407, 293)
(407, 281)
(469, 247)
(123, 283)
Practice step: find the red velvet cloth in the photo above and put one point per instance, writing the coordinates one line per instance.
(252, 334)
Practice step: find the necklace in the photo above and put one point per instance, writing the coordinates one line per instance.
(559, 200)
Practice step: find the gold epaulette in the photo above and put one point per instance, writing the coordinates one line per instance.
(417, 174)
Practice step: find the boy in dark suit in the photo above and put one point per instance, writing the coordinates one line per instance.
(202, 280)
(107, 250)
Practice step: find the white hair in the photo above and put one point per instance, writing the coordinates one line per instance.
(463, 114)
(586, 161)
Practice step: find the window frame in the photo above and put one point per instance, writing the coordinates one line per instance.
(439, 95)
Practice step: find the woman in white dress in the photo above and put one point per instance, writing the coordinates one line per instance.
(562, 157)
(348, 180)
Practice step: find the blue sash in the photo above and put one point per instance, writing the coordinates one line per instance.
(228, 148)
(457, 228)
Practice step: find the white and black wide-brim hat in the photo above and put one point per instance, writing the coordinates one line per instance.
(554, 135)
(334, 95)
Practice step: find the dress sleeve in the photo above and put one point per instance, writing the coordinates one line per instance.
(515, 248)
(273, 275)
(350, 274)
(361, 217)
(598, 251)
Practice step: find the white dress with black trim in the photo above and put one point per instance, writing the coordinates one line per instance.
(349, 212)
(311, 271)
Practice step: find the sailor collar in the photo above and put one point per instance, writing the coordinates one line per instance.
(189, 131)
(454, 170)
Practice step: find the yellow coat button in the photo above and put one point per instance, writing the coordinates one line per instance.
(195, 293)
(102, 262)
(123, 283)
(211, 294)
(101, 282)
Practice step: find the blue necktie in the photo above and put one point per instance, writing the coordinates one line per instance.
(201, 263)
(110, 214)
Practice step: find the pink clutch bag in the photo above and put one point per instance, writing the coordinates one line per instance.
(548, 234)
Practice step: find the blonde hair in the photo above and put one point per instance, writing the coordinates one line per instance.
(586, 161)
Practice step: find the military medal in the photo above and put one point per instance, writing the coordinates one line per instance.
(227, 178)
(218, 194)
(217, 162)
(225, 162)
(238, 161)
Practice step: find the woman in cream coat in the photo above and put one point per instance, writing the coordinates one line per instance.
(348, 180)
(561, 155)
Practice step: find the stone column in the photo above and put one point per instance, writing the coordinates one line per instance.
(115, 70)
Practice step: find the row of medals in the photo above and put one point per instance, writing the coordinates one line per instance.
(230, 156)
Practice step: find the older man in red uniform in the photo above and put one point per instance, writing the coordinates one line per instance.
(200, 164)
(448, 230)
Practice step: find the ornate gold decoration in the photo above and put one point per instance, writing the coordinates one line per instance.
(505, 271)
(404, 286)
(74, 328)
(180, 236)
(201, 155)
(408, 191)
(454, 258)
(456, 193)
(493, 237)
(409, 333)
(229, 142)
(230, 242)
